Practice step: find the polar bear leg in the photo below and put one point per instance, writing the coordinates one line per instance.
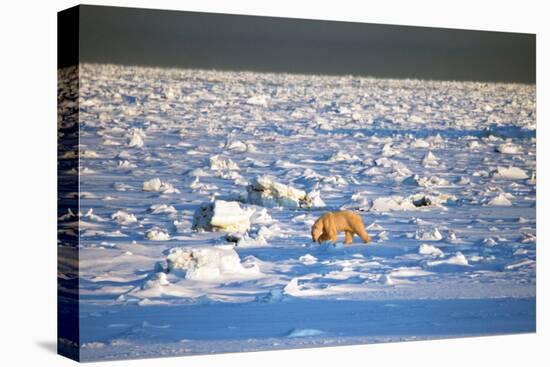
(363, 234)
(324, 237)
(330, 227)
(349, 238)
(359, 229)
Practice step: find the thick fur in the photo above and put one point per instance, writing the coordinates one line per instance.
(327, 227)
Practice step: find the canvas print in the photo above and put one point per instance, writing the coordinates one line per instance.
(236, 183)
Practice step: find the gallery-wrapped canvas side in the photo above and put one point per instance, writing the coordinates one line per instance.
(68, 338)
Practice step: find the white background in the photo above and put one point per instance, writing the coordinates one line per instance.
(28, 181)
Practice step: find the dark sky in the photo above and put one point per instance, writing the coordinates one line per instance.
(231, 42)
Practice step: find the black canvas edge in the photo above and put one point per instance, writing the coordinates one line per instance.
(68, 328)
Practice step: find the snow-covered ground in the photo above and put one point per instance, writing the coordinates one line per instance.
(198, 190)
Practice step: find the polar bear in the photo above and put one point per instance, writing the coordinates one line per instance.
(326, 228)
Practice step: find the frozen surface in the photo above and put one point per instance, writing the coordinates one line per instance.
(443, 174)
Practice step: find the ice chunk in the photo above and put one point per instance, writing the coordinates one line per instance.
(473, 145)
(123, 217)
(198, 172)
(457, 259)
(260, 216)
(375, 227)
(396, 166)
(430, 250)
(219, 163)
(267, 232)
(520, 263)
(528, 238)
(419, 143)
(247, 241)
(434, 200)
(162, 208)
(236, 146)
(430, 160)
(258, 100)
(508, 148)
(91, 216)
(520, 251)
(157, 234)
(512, 173)
(159, 279)
(135, 138)
(126, 164)
(389, 151)
(292, 288)
(343, 156)
(313, 199)
(428, 235)
(386, 279)
(274, 295)
(219, 263)
(266, 192)
(334, 180)
(500, 200)
(416, 180)
(88, 154)
(307, 259)
(382, 236)
(157, 185)
(229, 216)
(392, 203)
(225, 216)
(489, 241)
(182, 226)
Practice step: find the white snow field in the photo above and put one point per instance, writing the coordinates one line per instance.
(442, 173)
